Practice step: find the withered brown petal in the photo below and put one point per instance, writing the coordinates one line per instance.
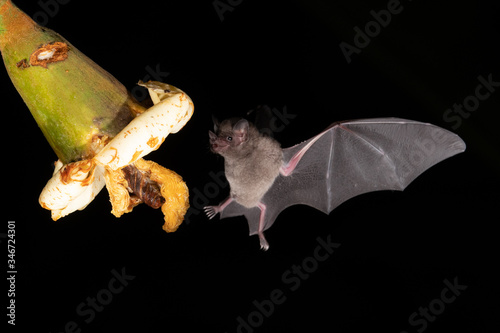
(142, 186)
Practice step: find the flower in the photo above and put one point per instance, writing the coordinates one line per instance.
(119, 165)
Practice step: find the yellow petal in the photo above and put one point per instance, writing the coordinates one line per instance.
(173, 189)
(120, 199)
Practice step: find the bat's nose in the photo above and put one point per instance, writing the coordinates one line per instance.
(214, 146)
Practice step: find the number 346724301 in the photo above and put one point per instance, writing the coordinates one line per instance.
(11, 245)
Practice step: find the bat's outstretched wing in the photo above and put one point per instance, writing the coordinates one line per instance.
(350, 158)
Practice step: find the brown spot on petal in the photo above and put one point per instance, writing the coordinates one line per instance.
(81, 171)
(49, 53)
(115, 156)
(153, 141)
(22, 64)
(135, 156)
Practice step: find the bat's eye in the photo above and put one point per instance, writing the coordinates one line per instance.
(229, 138)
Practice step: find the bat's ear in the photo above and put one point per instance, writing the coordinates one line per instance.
(240, 129)
(216, 124)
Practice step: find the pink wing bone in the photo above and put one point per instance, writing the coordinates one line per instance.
(288, 168)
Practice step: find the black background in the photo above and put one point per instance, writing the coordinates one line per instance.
(396, 249)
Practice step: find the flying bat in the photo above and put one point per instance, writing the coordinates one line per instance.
(347, 159)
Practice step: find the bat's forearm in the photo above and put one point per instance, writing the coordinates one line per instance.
(287, 168)
(224, 204)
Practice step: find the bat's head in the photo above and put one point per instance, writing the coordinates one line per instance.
(229, 137)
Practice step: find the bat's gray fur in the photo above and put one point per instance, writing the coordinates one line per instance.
(251, 166)
(347, 159)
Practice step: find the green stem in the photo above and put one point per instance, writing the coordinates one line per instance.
(73, 100)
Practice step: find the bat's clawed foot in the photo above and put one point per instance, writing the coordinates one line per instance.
(264, 245)
(211, 211)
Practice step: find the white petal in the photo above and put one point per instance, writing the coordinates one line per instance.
(73, 186)
(158, 91)
(85, 197)
(57, 166)
(148, 130)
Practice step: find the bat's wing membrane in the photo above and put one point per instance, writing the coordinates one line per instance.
(350, 158)
(251, 214)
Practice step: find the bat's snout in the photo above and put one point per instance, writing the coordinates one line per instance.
(217, 148)
(216, 144)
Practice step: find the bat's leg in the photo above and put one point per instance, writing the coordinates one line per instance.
(264, 245)
(211, 211)
(287, 169)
